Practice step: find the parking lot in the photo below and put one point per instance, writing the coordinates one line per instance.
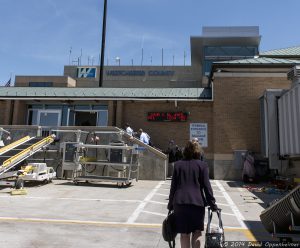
(62, 214)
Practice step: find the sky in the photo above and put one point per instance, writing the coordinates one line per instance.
(40, 37)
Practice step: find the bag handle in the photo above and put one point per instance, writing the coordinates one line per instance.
(220, 219)
(210, 214)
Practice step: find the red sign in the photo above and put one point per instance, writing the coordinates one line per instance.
(167, 116)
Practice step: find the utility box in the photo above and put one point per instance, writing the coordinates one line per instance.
(238, 159)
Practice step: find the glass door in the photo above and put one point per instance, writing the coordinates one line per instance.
(48, 117)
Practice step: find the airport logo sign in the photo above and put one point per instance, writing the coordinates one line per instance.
(86, 72)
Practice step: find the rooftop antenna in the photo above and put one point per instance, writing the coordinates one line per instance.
(184, 55)
(79, 63)
(70, 52)
(142, 56)
(162, 57)
(76, 61)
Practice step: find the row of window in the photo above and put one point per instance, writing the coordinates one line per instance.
(67, 115)
(225, 53)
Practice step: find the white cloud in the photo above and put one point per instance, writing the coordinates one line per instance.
(128, 33)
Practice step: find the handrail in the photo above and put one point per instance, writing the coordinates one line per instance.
(150, 148)
(14, 144)
(124, 147)
(4, 131)
(32, 148)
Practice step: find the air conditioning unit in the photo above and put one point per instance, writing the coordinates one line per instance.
(283, 217)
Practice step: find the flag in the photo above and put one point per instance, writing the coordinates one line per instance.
(8, 83)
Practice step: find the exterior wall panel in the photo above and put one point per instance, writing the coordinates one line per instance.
(56, 81)
(270, 125)
(140, 76)
(135, 113)
(236, 117)
(289, 122)
(236, 111)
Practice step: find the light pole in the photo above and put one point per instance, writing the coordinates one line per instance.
(103, 44)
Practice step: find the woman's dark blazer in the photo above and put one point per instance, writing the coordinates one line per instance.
(190, 184)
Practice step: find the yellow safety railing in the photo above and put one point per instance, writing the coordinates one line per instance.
(14, 144)
(32, 148)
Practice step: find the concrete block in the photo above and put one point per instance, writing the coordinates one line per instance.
(224, 170)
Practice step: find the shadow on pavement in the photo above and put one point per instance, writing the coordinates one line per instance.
(259, 232)
(93, 184)
(264, 191)
(264, 194)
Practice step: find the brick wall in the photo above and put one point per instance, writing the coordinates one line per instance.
(236, 114)
(5, 112)
(57, 81)
(135, 113)
(19, 113)
(181, 76)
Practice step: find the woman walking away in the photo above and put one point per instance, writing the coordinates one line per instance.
(189, 194)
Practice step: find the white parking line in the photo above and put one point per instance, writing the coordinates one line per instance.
(162, 194)
(142, 205)
(71, 199)
(234, 208)
(157, 202)
(228, 214)
(165, 189)
(219, 196)
(215, 190)
(154, 213)
(224, 204)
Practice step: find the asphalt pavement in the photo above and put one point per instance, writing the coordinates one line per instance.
(65, 215)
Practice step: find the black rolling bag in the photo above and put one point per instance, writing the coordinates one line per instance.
(214, 237)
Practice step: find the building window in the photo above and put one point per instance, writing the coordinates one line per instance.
(32, 117)
(225, 53)
(40, 84)
(102, 118)
(88, 118)
(67, 115)
(49, 118)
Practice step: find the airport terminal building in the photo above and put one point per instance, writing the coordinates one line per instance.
(215, 99)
